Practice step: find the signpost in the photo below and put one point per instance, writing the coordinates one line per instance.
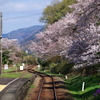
(83, 86)
(26, 59)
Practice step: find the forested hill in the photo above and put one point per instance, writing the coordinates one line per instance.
(24, 33)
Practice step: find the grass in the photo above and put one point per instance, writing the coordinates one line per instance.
(11, 75)
(15, 75)
(32, 86)
(74, 84)
(10, 69)
(28, 75)
(6, 74)
(59, 75)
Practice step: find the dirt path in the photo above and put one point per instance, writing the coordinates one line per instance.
(33, 92)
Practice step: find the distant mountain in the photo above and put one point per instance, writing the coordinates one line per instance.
(24, 35)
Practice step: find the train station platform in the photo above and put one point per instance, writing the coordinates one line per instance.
(14, 88)
(4, 82)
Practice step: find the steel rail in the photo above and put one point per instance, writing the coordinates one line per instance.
(39, 94)
(41, 75)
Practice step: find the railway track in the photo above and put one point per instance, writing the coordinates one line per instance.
(47, 89)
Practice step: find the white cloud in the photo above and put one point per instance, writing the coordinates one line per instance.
(21, 13)
(23, 6)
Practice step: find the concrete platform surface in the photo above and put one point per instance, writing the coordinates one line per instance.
(5, 82)
(15, 88)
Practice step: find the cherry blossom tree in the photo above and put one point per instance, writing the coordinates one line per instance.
(11, 46)
(88, 39)
(76, 36)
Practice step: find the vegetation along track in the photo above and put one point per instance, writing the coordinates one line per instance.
(47, 89)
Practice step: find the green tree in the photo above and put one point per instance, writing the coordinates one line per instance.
(5, 57)
(56, 11)
(29, 59)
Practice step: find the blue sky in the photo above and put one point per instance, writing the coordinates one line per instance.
(21, 13)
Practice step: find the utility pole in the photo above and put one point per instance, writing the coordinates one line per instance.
(0, 43)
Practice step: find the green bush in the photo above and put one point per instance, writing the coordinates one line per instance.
(74, 84)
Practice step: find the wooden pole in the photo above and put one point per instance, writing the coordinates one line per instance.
(0, 43)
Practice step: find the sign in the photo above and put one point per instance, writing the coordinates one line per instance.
(23, 64)
(14, 65)
(38, 67)
(21, 67)
(66, 77)
(6, 66)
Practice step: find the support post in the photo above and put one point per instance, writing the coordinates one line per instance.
(0, 43)
(83, 86)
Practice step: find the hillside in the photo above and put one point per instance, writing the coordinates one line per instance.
(24, 33)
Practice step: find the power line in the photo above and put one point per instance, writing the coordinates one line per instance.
(18, 17)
